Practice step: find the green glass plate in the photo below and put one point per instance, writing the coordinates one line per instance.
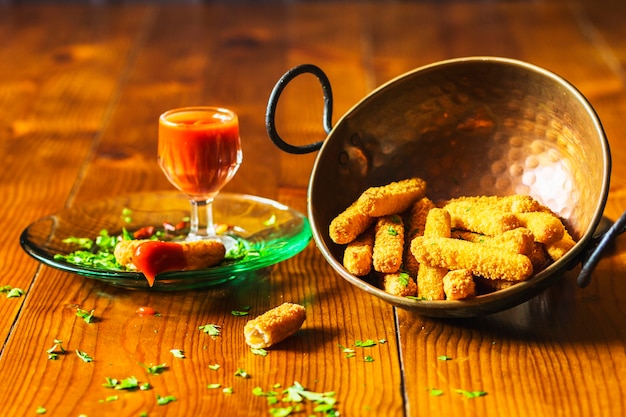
(271, 232)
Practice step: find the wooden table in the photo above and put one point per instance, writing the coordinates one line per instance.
(81, 88)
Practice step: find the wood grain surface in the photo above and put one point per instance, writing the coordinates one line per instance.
(81, 88)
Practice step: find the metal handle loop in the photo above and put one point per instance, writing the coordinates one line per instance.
(595, 254)
(270, 114)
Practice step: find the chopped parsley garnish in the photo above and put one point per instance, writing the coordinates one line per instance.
(165, 400)
(391, 231)
(404, 278)
(84, 356)
(470, 394)
(259, 351)
(94, 254)
(211, 329)
(368, 359)
(242, 373)
(178, 353)
(214, 386)
(53, 354)
(297, 395)
(155, 369)
(131, 383)
(444, 358)
(41, 410)
(12, 292)
(85, 315)
(243, 311)
(214, 367)
(434, 392)
(366, 343)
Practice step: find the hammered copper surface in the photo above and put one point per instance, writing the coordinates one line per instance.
(477, 126)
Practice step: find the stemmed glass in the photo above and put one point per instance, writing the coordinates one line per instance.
(200, 151)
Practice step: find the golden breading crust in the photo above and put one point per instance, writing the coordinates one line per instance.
(482, 260)
(348, 225)
(518, 240)
(546, 227)
(388, 244)
(393, 198)
(558, 249)
(479, 218)
(399, 284)
(274, 326)
(459, 284)
(198, 254)
(357, 257)
(430, 278)
(414, 226)
(516, 203)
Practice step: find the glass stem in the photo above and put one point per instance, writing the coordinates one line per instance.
(201, 219)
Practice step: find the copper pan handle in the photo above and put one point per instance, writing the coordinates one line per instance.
(270, 113)
(593, 255)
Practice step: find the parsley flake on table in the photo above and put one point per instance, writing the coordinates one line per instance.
(228, 390)
(349, 352)
(244, 311)
(214, 386)
(214, 367)
(258, 351)
(242, 373)
(84, 356)
(368, 359)
(178, 353)
(41, 410)
(434, 392)
(155, 369)
(52, 352)
(12, 292)
(366, 343)
(165, 400)
(444, 358)
(470, 394)
(131, 383)
(85, 315)
(211, 329)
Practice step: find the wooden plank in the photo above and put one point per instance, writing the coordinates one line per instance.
(51, 113)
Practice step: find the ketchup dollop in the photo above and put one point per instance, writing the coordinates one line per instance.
(154, 257)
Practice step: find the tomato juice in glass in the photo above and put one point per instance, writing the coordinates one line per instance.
(199, 149)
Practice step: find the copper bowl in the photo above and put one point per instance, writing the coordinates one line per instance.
(468, 126)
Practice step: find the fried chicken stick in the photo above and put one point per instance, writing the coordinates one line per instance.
(482, 260)
(430, 277)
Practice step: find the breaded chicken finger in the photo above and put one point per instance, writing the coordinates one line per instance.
(414, 226)
(349, 224)
(558, 249)
(357, 258)
(274, 325)
(399, 284)
(482, 260)
(388, 244)
(546, 227)
(459, 284)
(518, 240)
(481, 219)
(430, 278)
(392, 198)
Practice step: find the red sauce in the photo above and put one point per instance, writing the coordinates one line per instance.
(154, 257)
(199, 151)
(145, 311)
